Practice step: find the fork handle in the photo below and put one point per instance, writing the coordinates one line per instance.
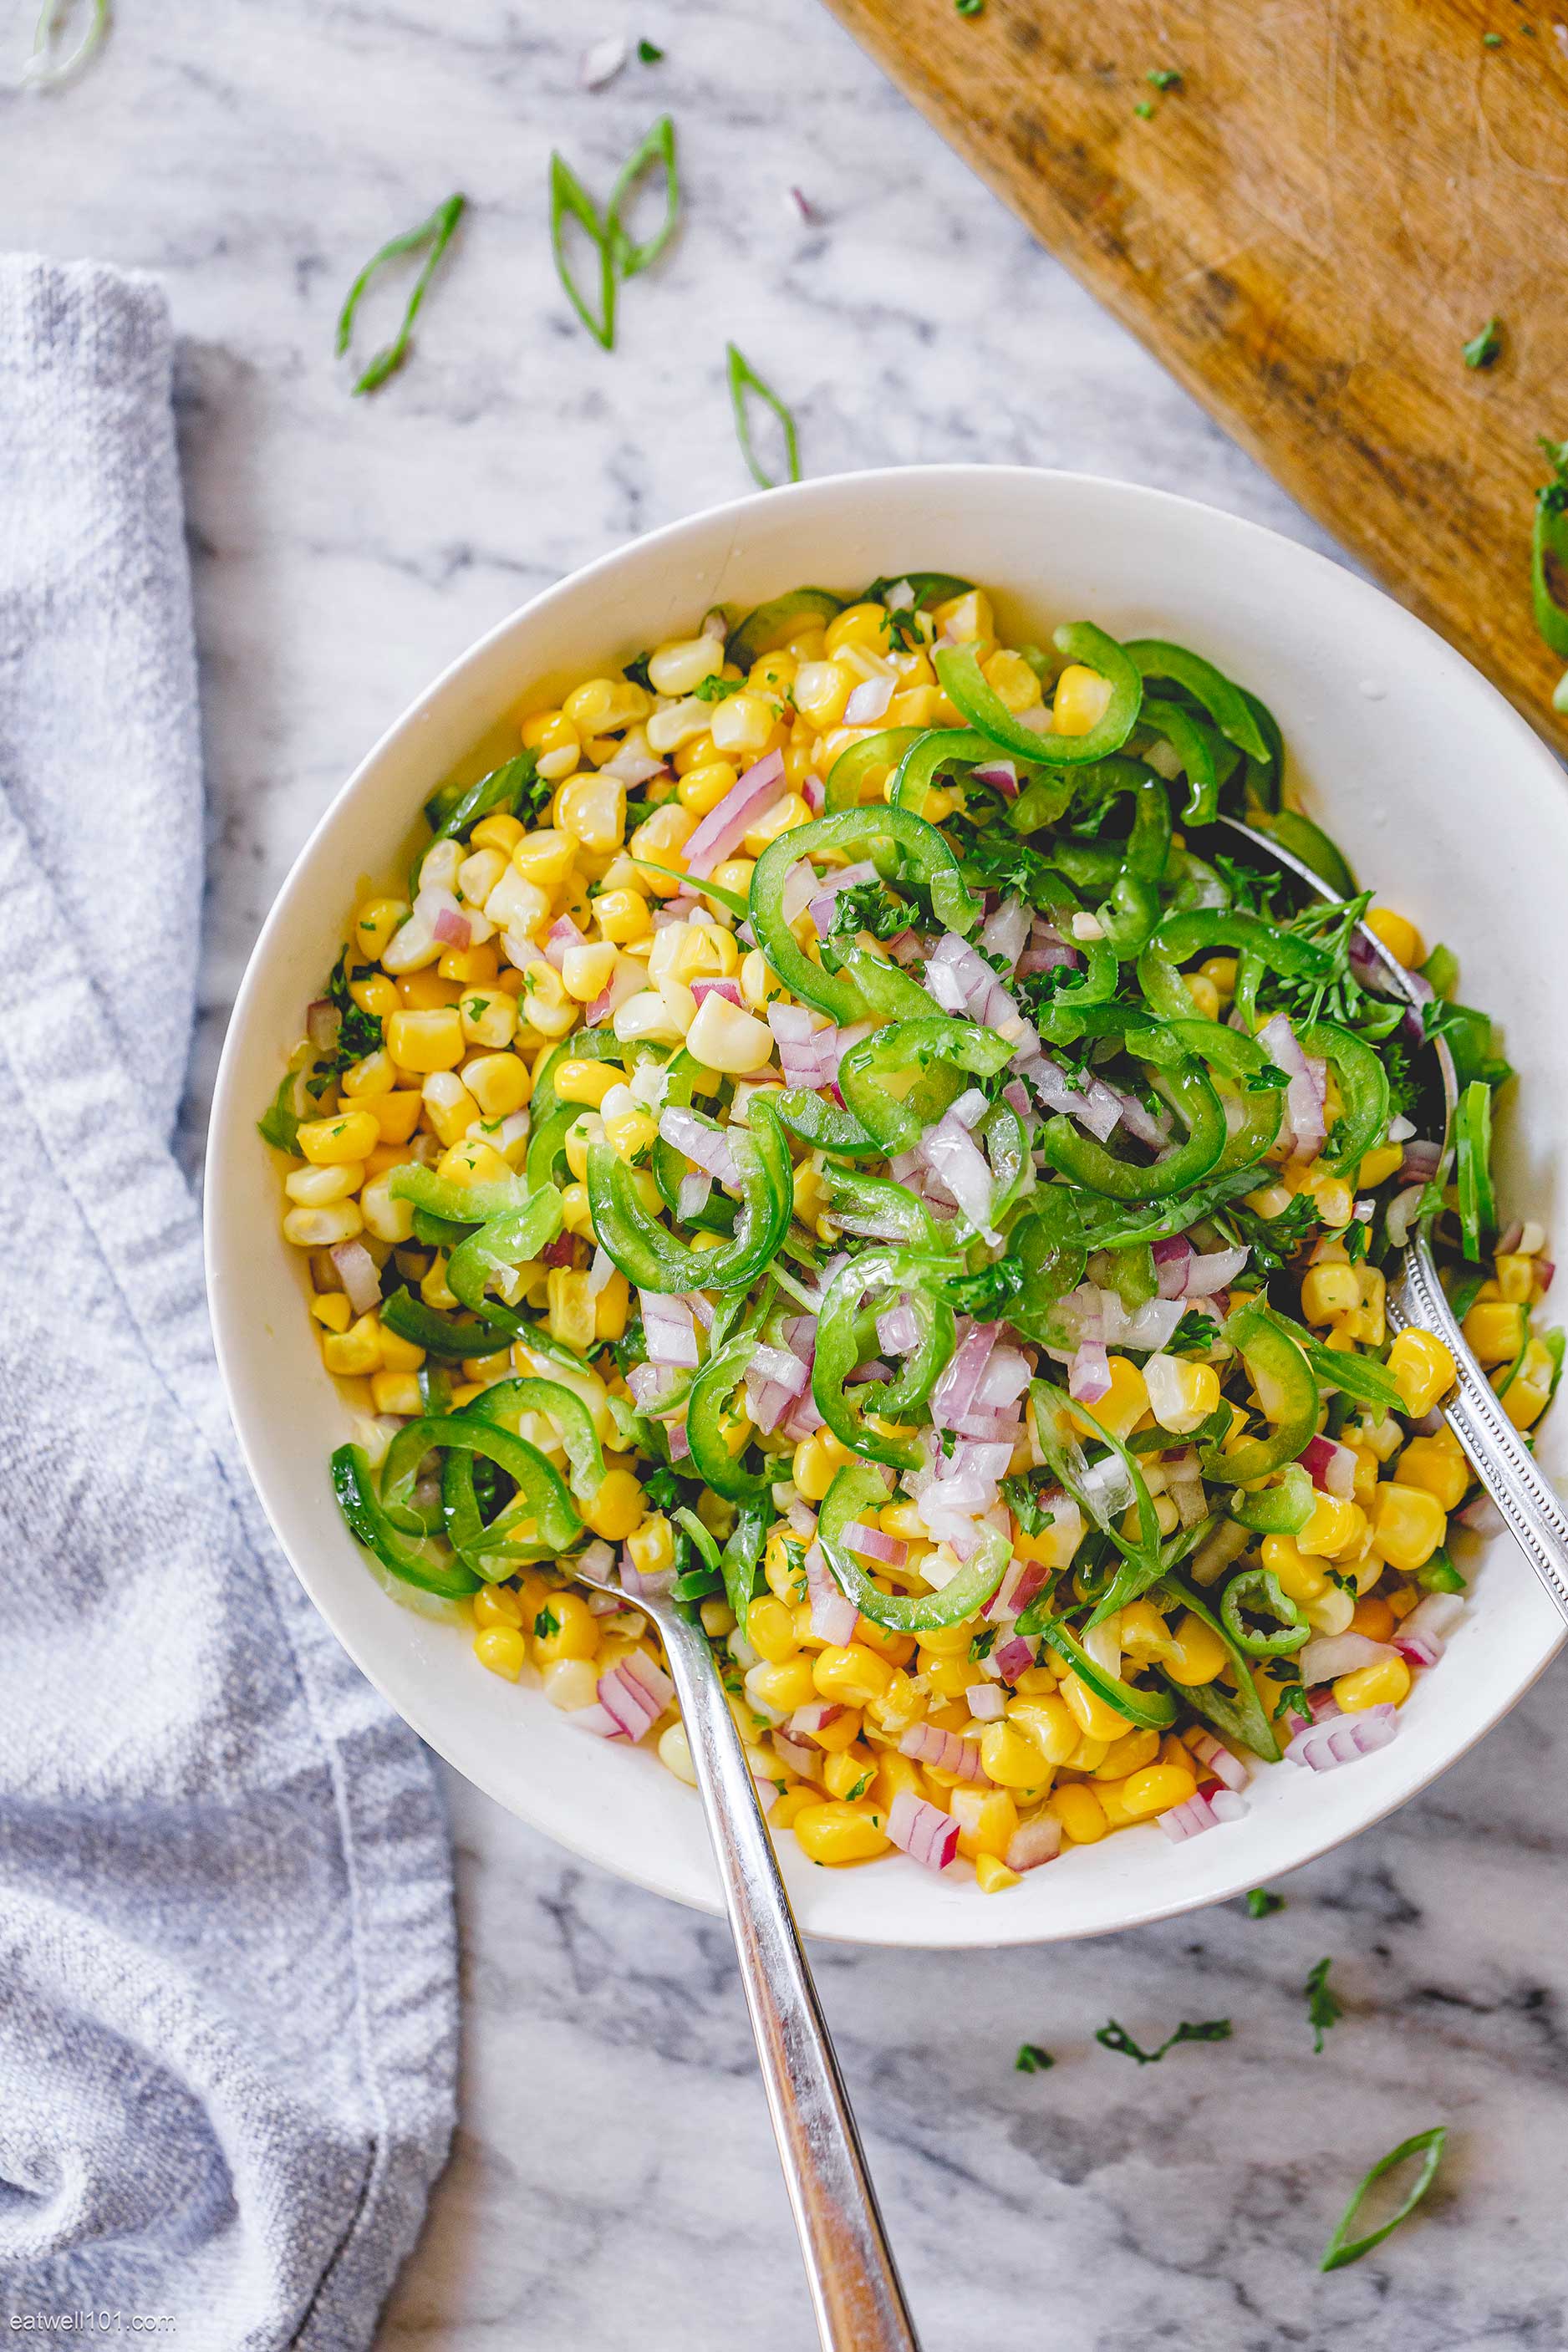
(855, 2290)
(1498, 1454)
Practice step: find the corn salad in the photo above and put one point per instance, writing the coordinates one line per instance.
(834, 1125)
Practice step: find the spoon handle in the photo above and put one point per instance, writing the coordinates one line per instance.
(1502, 1461)
(855, 2290)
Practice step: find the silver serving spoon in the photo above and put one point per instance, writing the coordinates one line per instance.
(1496, 1449)
(855, 2290)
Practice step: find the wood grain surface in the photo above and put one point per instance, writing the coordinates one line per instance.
(1306, 231)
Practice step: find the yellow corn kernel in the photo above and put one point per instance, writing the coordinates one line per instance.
(1424, 1368)
(1387, 1683)
(331, 1309)
(546, 1003)
(449, 1106)
(545, 857)
(470, 967)
(497, 1605)
(784, 815)
(329, 1143)
(816, 1461)
(592, 810)
(580, 1137)
(586, 1082)
(1133, 1752)
(1527, 1395)
(367, 1079)
(1203, 993)
(498, 1084)
(1378, 1165)
(838, 1834)
(851, 1674)
(1443, 1473)
(1494, 1328)
(1515, 1273)
(965, 619)
(1181, 1394)
(630, 1134)
(770, 1629)
(987, 1819)
(1124, 1403)
(426, 992)
(315, 1188)
(991, 1875)
(1197, 1656)
(375, 924)
(1090, 1714)
(1079, 1812)
(605, 705)
(615, 1507)
(1157, 1788)
(551, 735)
(353, 1354)
(681, 666)
(1145, 1635)
(652, 1545)
(569, 1316)
(612, 1306)
(1373, 1617)
(576, 1215)
(1328, 1291)
(499, 831)
(864, 626)
(821, 690)
(502, 1650)
(781, 1815)
(704, 787)
(1302, 1579)
(564, 1628)
(472, 1160)
(377, 995)
(622, 915)
(1012, 681)
(742, 728)
(397, 1115)
(1081, 700)
(1400, 936)
(1049, 1723)
(387, 1218)
(1008, 1757)
(423, 1042)
(722, 1037)
(1334, 1528)
(850, 1774)
(489, 1017)
(396, 1392)
(1408, 1525)
(588, 971)
(400, 1355)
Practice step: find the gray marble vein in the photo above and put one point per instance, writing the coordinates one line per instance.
(614, 2184)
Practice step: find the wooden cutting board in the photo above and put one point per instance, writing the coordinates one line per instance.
(1306, 231)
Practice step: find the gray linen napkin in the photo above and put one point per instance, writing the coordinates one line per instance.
(227, 2004)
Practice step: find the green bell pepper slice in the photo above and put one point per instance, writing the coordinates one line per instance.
(1150, 1710)
(854, 762)
(655, 1259)
(541, 1502)
(1085, 1162)
(1259, 1089)
(927, 587)
(1238, 1715)
(513, 1239)
(934, 748)
(739, 1559)
(1311, 844)
(416, 1563)
(964, 685)
(845, 1336)
(894, 840)
(1047, 1244)
(1281, 1510)
(858, 1493)
(1365, 1098)
(439, 1334)
(1362, 1377)
(1265, 777)
(1227, 931)
(1225, 704)
(925, 1059)
(1256, 1589)
(457, 809)
(711, 1390)
(461, 1204)
(504, 1401)
(889, 992)
(1053, 1413)
(1276, 1363)
(1110, 1227)
(1189, 741)
(826, 1126)
(773, 624)
(1549, 554)
(858, 1203)
(1472, 1169)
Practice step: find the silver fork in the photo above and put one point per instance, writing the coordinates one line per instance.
(854, 2283)
(1502, 1461)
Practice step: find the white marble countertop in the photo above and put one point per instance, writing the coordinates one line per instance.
(613, 2183)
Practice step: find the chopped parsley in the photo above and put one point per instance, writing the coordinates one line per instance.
(1031, 2058)
(970, 7)
(1022, 1497)
(716, 688)
(1484, 347)
(649, 53)
(1165, 77)
(638, 671)
(1195, 1334)
(1322, 2007)
(985, 1295)
(869, 907)
(1116, 2037)
(903, 629)
(1144, 109)
(546, 1624)
(1491, 40)
(984, 1642)
(1262, 1903)
(661, 1489)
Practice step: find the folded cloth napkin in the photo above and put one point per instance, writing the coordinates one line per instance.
(227, 2005)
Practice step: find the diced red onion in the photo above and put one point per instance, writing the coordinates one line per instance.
(1421, 1161)
(724, 828)
(635, 1693)
(358, 1273)
(1343, 1737)
(323, 1023)
(1303, 1096)
(563, 934)
(691, 1196)
(953, 1155)
(872, 1544)
(1190, 1819)
(999, 774)
(1545, 1268)
(600, 1271)
(826, 897)
(1088, 1374)
(1330, 1466)
(1213, 1272)
(1227, 1805)
(1024, 1579)
(806, 1761)
(1482, 1516)
(729, 990)
(1423, 1636)
(1095, 1106)
(922, 1830)
(1213, 1753)
(679, 1442)
(1033, 1843)
(766, 1404)
(699, 1142)
(1013, 1657)
(1172, 1258)
(781, 1367)
(670, 1334)
(985, 1702)
(808, 1722)
(870, 701)
(598, 1560)
(1004, 933)
(834, 1615)
(596, 1719)
(945, 1749)
(813, 792)
(959, 1383)
(897, 1330)
(628, 980)
(454, 929)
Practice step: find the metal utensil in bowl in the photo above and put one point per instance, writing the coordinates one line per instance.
(855, 2290)
(1495, 1448)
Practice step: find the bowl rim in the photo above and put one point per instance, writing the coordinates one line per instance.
(977, 1929)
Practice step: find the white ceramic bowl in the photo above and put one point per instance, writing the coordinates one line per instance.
(1441, 797)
